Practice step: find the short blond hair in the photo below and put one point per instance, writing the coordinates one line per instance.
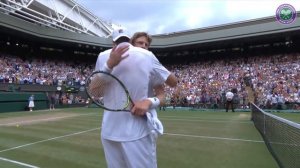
(140, 34)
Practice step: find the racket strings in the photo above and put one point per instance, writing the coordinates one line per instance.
(96, 89)
(108, 92)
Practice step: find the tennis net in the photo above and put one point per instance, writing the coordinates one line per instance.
(281, 136)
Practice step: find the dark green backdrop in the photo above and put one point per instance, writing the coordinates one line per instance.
(18, 101)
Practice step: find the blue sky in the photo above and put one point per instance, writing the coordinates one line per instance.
(166, 16)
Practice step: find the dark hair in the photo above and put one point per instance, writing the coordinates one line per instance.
(140, 34)
(121, 40)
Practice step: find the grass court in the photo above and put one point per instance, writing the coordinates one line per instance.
(70, 138)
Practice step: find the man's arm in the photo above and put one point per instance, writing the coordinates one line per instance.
(160, 93)
(163, 72)
(172, 80)
(141, 107)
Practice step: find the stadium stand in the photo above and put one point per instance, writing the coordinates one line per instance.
(202, 84)
(208, 61)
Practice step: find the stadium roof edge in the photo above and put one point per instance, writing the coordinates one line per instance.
(221, 26)
(22, 26)
(243, 29)
(239, 30)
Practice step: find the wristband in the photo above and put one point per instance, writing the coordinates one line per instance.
(106, 68)
(154, 102)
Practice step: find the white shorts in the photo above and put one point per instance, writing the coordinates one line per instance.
(31, 104)
(140, 153)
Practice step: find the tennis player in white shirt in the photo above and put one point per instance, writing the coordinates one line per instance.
(229, 100)
(127, 139)
(156, 85)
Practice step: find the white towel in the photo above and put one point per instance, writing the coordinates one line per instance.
(154, 122)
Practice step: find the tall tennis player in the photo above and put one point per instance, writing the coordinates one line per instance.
(127, 140)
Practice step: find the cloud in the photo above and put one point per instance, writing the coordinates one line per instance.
(196, 13)
(165, 16)
(241, 10)
(238, 10)
(148, 16)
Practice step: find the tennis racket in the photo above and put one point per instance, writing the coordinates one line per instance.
(99, 83)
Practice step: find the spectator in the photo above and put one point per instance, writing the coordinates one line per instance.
(52, 101)
(229, 101)
(31, 102)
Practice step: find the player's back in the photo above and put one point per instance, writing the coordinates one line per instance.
(135, 71)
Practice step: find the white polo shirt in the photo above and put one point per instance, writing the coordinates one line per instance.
(135, 72)
(229, 96)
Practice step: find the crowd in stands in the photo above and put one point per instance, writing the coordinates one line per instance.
(13, 69)
(67, 98)
(274, 78)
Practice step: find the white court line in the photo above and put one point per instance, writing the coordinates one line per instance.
(216, 138)
(46, 119)
(196, 117)
(213, 121)
(33, 143)
(171, 134)
(19, 163)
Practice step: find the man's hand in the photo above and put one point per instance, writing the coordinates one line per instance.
(140, 108)
(117, 55)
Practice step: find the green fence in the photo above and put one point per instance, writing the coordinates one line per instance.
(18, 101)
